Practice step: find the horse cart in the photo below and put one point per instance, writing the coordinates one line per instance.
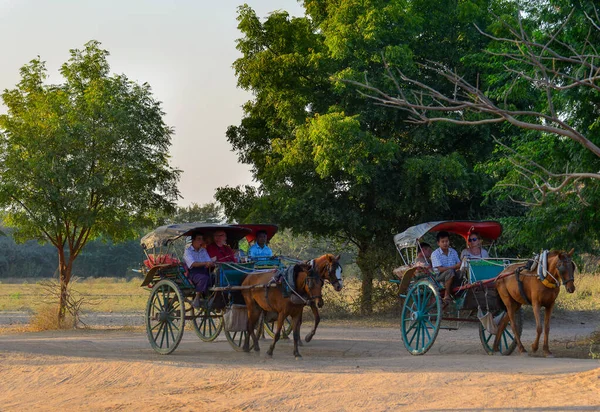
(169, 305)
(474, 296)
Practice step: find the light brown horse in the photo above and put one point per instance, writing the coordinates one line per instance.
(329, 269)
(307, 285)
(536, 293)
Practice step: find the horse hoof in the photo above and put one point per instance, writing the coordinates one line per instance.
(246, 349)
(298, 357)
(300, 343)
(269, 355)
(256, 349)
(548, 355)
(308, 338)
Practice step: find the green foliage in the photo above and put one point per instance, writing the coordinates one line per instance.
(82, 159)
(327, 161)
(207, 213)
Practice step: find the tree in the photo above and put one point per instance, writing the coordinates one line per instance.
(84, 158)
(327, 161)
(550, 56)
(208, 213)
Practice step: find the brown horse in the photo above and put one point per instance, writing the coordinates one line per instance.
(535, 293)
(307, 289)
(329, 269)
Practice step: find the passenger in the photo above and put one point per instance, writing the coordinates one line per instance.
(474, 249)
(445, 262)
(424, 255)
(422, 262)
(219, 251)
(260, 249)
(199, 264)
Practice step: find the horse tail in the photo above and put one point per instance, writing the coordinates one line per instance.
(500, 302)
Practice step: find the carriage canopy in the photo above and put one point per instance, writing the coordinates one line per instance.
(255, 228)
(487, 229)
(168, 233)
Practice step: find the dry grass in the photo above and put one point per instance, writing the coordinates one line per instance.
(101, 295)
(121, 295)
(586, 296)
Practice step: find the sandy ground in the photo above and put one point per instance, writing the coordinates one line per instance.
(345, 368)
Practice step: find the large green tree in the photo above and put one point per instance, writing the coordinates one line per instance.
(327, 161)
(540, 81)
(83, 158)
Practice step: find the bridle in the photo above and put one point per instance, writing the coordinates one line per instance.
(310, 281)
(562, 267)
(331, 272)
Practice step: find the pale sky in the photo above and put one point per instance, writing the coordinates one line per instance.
(183, 48)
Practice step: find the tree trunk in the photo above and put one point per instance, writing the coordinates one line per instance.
(64, 268)
(366, 270)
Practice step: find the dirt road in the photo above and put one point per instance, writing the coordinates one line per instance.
(345, 368)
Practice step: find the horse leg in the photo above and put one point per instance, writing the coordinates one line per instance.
(296, 322)
(501, 328)
(538, 326)
(249, 327)
(255, 317)
(546, 348)
(280, 318)
(315, 312)
(512, 308)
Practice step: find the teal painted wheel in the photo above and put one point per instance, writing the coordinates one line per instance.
(165, 317)
(507, 342)
(285, 330)
(421, 317)
(208, 324)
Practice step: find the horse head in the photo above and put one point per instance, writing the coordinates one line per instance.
(328, 268)
(309, 282)
(563, 264)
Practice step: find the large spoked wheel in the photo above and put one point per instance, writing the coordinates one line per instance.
(236, 338)
(208, 324)
(165, 317)
(507, 342)
(421, 317)
(285, 330)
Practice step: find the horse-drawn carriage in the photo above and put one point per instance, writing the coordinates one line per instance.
(474, 295)
(171, 291)
(490, 291)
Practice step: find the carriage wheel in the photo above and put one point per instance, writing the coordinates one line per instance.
(165, 317)
(507, 341)
(421, 317)
(208, 324)
(285, 330)
(236, 339)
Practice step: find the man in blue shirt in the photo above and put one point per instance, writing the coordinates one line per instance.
(445, 263)
(260, 249)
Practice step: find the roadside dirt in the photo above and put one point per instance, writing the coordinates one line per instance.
(345, 368)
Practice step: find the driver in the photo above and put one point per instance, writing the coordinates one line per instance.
(445, 262)
(260, 249)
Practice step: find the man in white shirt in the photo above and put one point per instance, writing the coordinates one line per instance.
(445, 262)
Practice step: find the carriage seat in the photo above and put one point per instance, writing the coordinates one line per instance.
(234, 276)
(480, 269)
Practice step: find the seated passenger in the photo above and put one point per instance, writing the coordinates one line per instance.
(422, 262)
(445, 262)
(260, 249)
(474, 249)
(199, 263)
(219, 251)
(424, 255)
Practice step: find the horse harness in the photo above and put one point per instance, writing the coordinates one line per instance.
(541, 262)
